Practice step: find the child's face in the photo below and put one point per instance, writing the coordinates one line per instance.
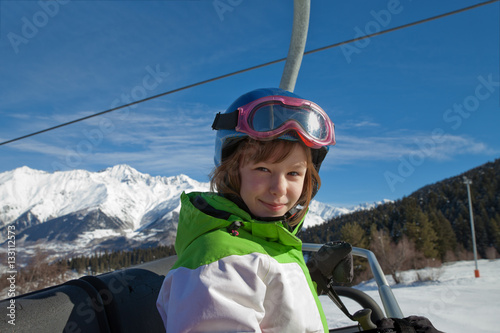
(272, 189)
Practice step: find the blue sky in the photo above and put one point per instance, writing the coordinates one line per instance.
(411, 107)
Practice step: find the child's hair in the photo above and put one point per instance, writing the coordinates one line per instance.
(225, 179)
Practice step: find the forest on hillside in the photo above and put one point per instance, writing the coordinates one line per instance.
(430, 225)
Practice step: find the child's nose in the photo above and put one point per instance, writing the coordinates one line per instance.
(278, 185)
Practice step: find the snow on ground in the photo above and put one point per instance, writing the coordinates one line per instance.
(454, 302)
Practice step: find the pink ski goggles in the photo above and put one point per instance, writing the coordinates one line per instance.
(269, 117)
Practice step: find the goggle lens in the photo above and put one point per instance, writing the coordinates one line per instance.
(271, 116)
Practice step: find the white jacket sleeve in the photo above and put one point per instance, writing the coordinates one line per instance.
(248, 293)
(224, 296)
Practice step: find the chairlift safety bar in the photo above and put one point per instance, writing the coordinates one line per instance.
(389, 302)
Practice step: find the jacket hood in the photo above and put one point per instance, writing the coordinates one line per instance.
(204, 212)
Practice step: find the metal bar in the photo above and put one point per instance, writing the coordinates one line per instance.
(391, 306)
(301, 10)
(468, 182)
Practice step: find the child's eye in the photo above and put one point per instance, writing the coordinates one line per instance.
(262, 169)
(294, 173)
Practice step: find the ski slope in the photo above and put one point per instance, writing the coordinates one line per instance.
(455, 301)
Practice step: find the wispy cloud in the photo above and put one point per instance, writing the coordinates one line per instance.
(36, 146)
(352, 149)
(163, 141)
(350, 124)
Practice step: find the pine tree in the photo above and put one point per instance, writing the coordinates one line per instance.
(354, 234)
(446, 239)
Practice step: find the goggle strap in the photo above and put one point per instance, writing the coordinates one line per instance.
(226, 121)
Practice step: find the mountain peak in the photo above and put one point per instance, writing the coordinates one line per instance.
(19, 172)
(120, 171)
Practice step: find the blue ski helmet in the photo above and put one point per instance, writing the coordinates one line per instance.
(228, 137)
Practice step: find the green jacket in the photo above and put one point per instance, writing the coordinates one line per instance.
(254, 281)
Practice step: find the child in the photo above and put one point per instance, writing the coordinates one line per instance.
(240, 265)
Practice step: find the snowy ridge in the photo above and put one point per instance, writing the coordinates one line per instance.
(320, 212)
(120, 191)
(74, 212)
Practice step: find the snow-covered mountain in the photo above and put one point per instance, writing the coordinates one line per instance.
(320, 212)
(117, 208)
(121, 192)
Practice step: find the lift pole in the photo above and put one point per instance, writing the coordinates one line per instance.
(467, 182)
(301, 10)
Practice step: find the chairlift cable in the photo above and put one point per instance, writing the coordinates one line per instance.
(401, 26)
(248, 69)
